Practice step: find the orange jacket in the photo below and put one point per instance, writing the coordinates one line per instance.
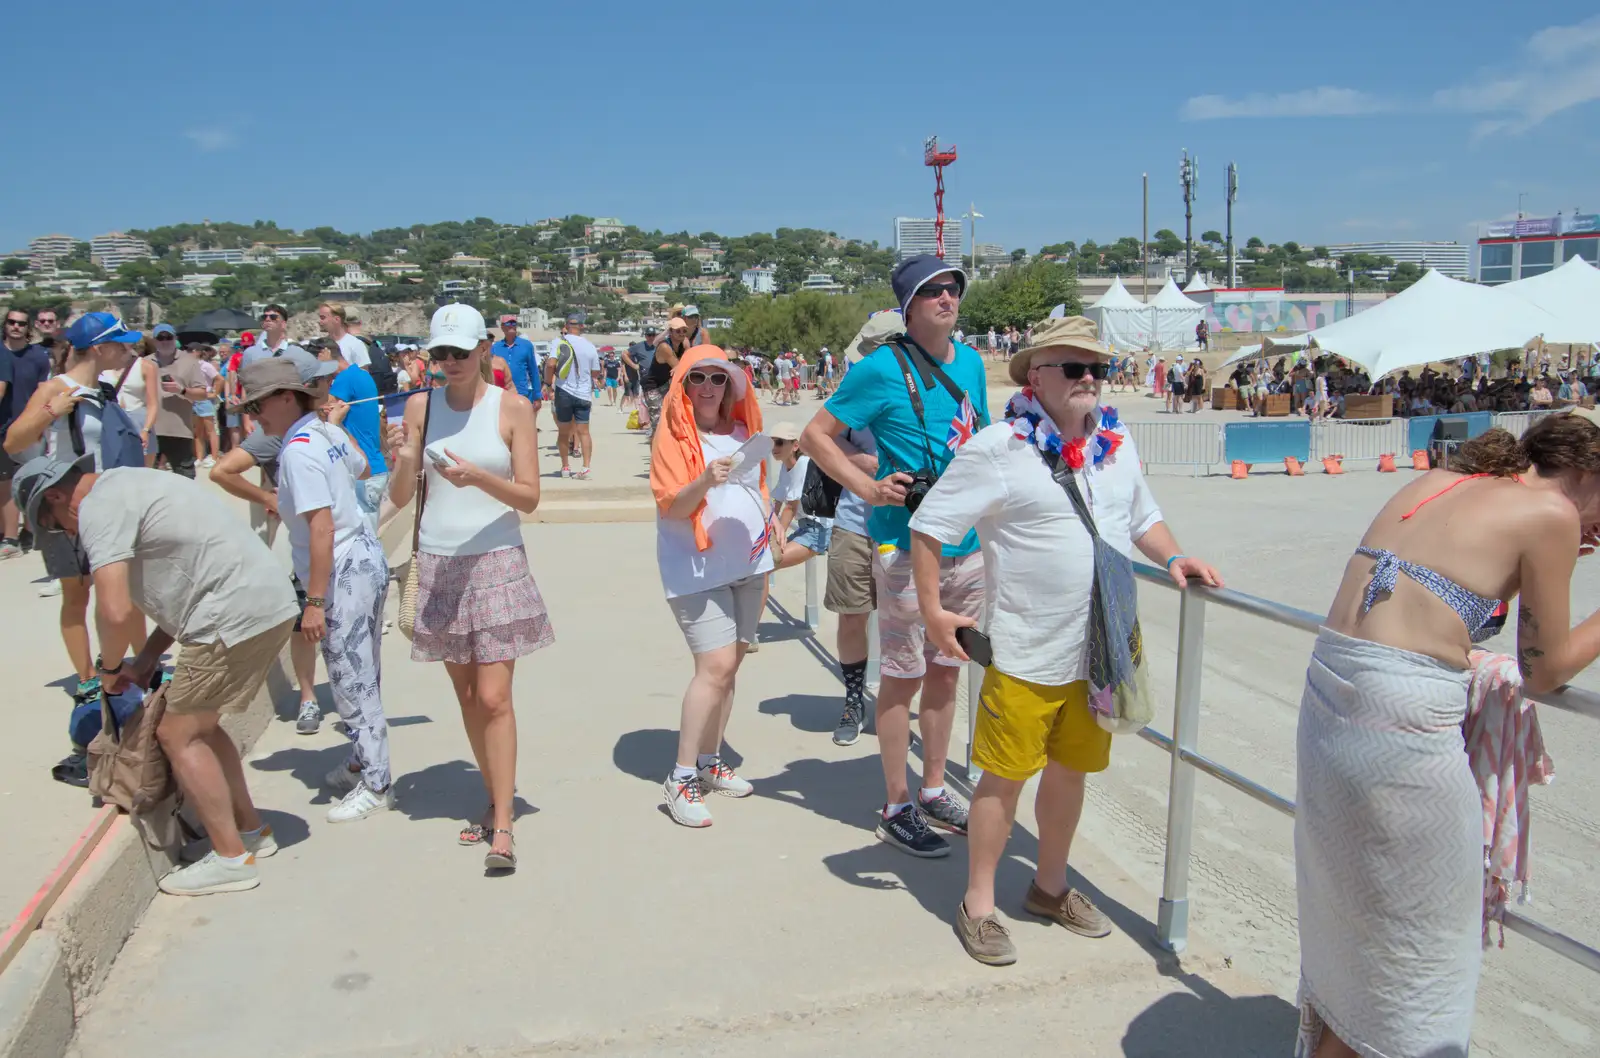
(676, 456)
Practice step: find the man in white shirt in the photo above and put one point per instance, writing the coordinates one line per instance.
(331, 318)
(1040, 566)
(573, 370)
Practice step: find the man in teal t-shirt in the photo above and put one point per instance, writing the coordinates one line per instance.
(875, 395)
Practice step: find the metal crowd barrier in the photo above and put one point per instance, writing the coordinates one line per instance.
(1172, 918)
(1197, 445)
(1517, 422)
(1359, 439)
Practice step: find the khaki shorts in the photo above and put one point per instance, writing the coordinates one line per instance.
(850, 588)
(903, 647)
(211, 677)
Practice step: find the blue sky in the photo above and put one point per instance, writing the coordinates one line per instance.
(1361, 121)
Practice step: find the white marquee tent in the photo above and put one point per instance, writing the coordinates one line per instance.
(1197, 285)
(1437, 318)
(1571, 293)
(1124, 322)
(1176, 318)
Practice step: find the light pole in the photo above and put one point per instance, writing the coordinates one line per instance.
(972, 214)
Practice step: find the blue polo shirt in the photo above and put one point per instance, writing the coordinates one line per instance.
(361, 422)
(524, 366)
(21, 371)
(872, 396)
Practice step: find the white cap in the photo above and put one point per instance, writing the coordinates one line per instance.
(457, 326)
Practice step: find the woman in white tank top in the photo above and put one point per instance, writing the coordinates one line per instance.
(478, 609)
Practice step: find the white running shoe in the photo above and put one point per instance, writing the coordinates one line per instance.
(50, 589)
(212, 875)
(685, 801)
(360, 803)
(719, 778)
(342, 780)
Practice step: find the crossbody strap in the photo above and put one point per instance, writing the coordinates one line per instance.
(1069, 484)
(422, 475)
(916, 398)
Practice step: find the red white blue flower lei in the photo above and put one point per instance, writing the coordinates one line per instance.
(1030, 422)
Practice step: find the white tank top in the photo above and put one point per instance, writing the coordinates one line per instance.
(132, 395)
(467, 521)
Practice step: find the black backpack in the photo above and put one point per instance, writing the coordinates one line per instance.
(819, 496)
(379, 368)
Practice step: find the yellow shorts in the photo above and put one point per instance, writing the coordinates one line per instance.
(1021, 725)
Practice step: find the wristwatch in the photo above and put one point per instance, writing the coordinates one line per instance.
(100, 666)
(318, 601)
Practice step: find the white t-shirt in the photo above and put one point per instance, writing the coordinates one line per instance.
(580, 378)
(851, 512)
(785, 369)
(1038, 557)
(734, 517)
(318, 468)
(791, 484)
(354, 350)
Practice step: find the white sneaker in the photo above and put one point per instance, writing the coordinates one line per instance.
(207, 463)
(719, 778)
(260, 844)
(212, 875)
(342, 780)
(685, 801)
(50, 589)
(360, 803)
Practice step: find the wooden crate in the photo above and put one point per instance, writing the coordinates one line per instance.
(1278, 404)
(1226, 398)
(1364, 406)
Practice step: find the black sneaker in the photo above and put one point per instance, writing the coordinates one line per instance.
(907, 831)
(946, 813)
(73, 770)
(849, 730)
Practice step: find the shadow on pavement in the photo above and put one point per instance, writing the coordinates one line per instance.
(307, 766)
(287, 828)
(814, 713)
(449, 790)
(1210, 1022)
(649, 754)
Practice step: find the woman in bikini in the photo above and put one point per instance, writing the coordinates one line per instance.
(1389, 854)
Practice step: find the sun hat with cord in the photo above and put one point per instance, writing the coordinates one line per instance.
(909, 276)
(878, 330)
(272, 374)
(1062, 332)
(30, 482)
(676, 456)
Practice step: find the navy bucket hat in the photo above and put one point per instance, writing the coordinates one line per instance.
(909, 276)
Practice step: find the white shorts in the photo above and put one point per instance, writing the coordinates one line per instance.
(716, 617)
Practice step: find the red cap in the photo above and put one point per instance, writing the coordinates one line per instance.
(247, 339)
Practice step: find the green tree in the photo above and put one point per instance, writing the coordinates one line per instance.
(14, 267)
(1254, 243)
(1211, 236)
(1022, 296)
(1167, 243)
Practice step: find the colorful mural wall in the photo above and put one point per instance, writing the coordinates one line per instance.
(1271, 312)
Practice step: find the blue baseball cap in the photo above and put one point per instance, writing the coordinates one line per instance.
(909, 276)
(95, 328)
(164, 328)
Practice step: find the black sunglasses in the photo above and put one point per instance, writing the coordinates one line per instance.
(16, 323)
(933, 290)
(271, 316)
(700, 378)
(443, 353)
(1074, 370)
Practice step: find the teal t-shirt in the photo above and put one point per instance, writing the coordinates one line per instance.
(873, 396)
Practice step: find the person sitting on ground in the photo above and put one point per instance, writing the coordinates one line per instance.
(166, 547)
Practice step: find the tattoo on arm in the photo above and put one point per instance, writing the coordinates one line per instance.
(1526, 620)
(1525, 659)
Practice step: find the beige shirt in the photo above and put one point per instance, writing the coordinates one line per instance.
(176, 418)
(194, 567)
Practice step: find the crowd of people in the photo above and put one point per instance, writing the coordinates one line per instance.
(974, 535)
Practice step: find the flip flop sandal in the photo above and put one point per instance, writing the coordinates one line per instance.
(500, 861)
(476, 833)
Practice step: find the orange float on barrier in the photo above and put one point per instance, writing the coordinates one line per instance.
(1292, 465)
(1241, 470)
(1419, 460)
(1386, 463)
(1333, 464)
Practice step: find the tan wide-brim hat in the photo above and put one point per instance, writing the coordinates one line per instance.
(1063, 332)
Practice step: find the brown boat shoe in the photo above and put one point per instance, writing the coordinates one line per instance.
(985, 939)
(1071, 909)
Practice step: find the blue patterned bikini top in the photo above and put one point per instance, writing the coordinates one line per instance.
(1475, 611)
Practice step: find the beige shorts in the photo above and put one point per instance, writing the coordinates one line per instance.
(903, 646)
(211, 677)
(850, 587)
(719, 617)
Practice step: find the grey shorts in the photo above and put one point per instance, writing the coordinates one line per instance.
(714, 618)
(63, 558)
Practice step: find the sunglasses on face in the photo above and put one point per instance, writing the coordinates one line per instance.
(1074, 370)
(16, 323)
(271, 316)
(166, 338)
(701, 378)
(441, 354)
(933, 290)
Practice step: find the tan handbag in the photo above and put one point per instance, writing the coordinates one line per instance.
(127, 767)
(408, 594)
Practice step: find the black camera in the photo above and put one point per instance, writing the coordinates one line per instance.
(917, 490)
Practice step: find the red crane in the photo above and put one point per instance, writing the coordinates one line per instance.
(933, 156)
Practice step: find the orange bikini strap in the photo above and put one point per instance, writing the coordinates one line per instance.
(1447, 488)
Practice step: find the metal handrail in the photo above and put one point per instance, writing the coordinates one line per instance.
(1172, 919)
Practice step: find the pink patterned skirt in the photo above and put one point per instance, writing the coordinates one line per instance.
(478, 608)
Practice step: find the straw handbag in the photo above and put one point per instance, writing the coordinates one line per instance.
(408, 594)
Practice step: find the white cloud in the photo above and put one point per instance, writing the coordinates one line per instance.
(1560, 69)
(209, 140)
(1326, 101)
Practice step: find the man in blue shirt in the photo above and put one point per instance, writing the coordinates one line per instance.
(950, 386)
(23, 365)
(354, 406)
(519, 356)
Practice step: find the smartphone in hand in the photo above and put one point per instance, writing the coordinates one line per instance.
(976, 644)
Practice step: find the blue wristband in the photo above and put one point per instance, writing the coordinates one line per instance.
(1173, 559)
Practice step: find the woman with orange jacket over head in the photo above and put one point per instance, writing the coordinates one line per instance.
(714, 540)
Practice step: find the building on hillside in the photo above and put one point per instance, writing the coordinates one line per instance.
(634, 268)
(598, 229)
(46, 250)
(1517, 249)
(295, 253)
(466, 260)
(1450, 258)
(548, 222)
(396, 269)
(763, 280)
(989, 253)
(645, 299)
(539, 276)
(705, 253)
(588, 260)
(700, 285)
(192, 285)
(573, 252)
(115, 249)
(637, 257)
(822, 283)
(460, 288)
(914, 235)
(710, 266)
(719, 323)
(545, 235)
(205, 257)
(354, 278)
(658, 286)
(533, 319)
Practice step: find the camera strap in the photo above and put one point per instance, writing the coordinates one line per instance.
(916, 398)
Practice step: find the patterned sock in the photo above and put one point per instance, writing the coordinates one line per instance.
(855, 683)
